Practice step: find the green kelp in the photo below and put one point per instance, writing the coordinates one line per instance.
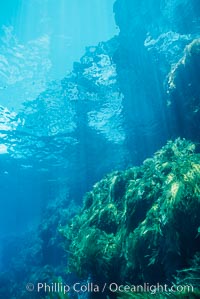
(142, 224)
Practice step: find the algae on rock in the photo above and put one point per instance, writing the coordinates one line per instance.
(141, 224)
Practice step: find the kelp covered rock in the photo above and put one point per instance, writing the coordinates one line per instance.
(141, 224)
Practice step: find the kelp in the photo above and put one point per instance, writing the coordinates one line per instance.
(141, 224)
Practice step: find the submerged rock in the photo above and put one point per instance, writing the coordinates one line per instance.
(184, 91)
(142, 224)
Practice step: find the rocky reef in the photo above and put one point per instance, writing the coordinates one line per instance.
(141, 224)
(128, 96)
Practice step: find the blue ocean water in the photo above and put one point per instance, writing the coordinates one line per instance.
(86, 88)
(40, 41)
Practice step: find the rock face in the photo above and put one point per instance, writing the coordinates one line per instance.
(141, 224)
(184, 91)
(152, 39)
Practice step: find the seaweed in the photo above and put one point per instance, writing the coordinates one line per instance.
(141, 224)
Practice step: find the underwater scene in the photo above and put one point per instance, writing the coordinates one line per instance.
(99, 149)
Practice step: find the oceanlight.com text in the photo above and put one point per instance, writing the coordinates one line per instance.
(151, 288)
